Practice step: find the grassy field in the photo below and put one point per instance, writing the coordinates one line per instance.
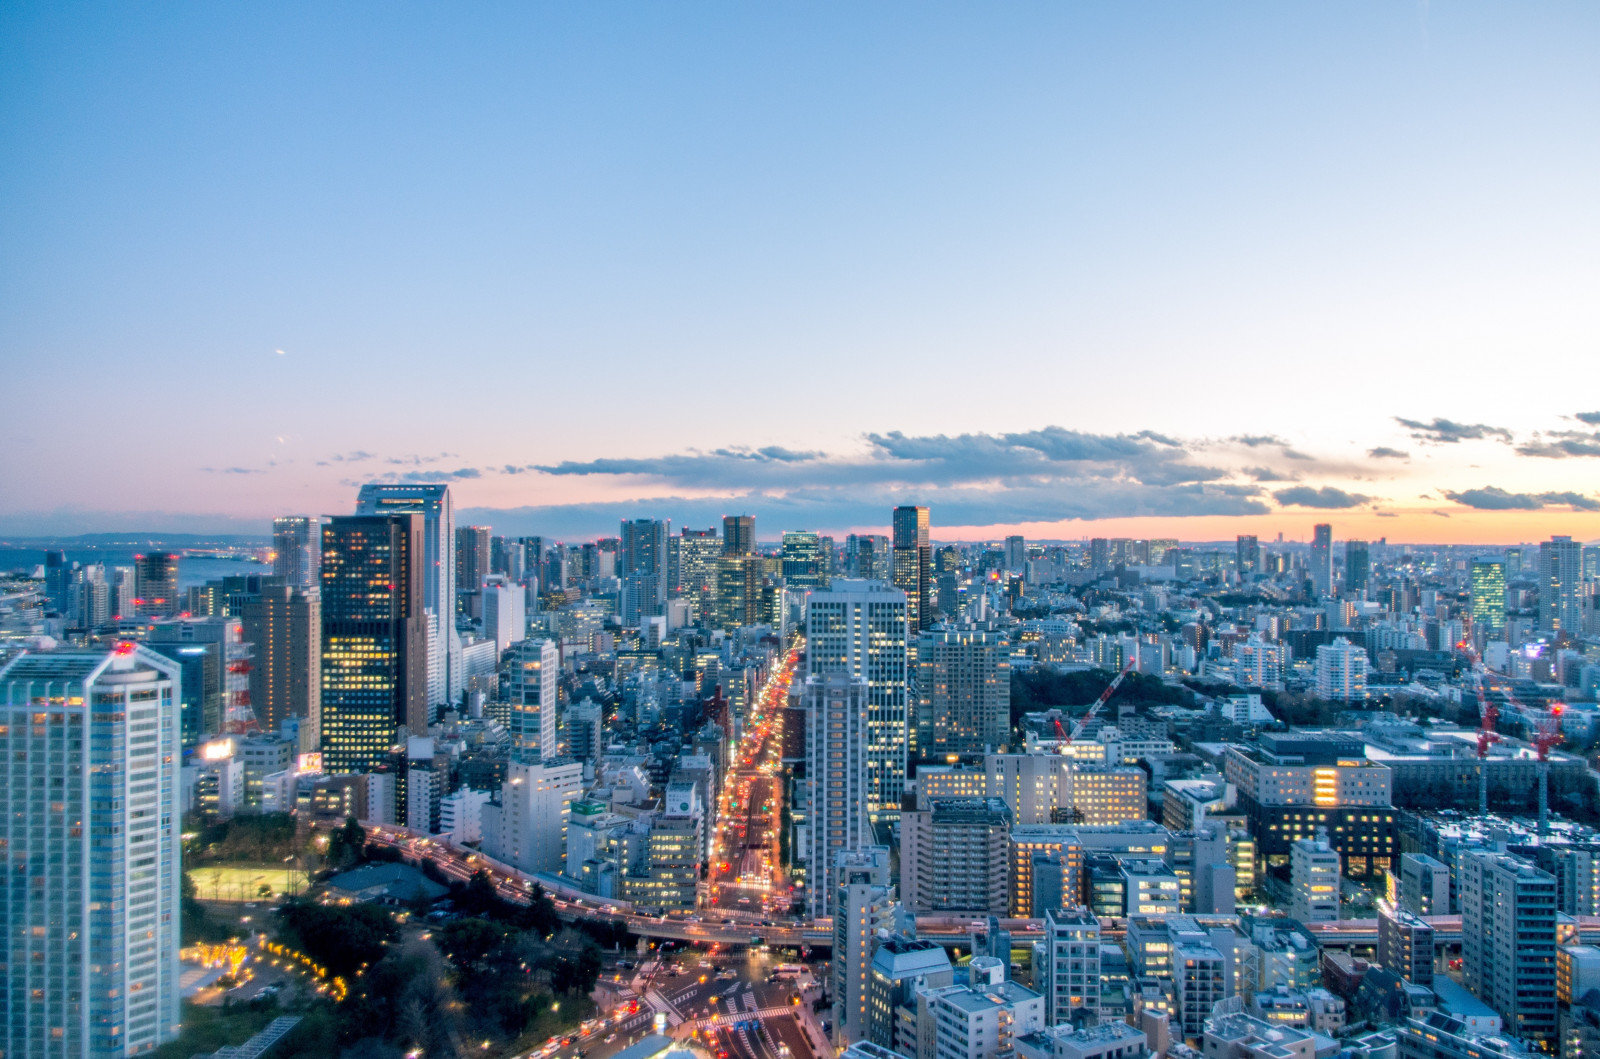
(243, 882)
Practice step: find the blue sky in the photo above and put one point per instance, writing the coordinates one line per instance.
(536, 237)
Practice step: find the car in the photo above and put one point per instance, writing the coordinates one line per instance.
(609, 1038)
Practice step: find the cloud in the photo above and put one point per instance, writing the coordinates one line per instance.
(1256, 441)
(1267, 474)
(1592, 418)
(1383, 452)
(1327, 497)
(1447, 432)
(235, 470)
(1493, 498)
(427, 477)
(1558, 445)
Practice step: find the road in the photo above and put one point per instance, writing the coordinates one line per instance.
(745, 875)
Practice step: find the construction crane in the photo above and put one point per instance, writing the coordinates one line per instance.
(1546, 736)
(1092, 711)
(1488, 715)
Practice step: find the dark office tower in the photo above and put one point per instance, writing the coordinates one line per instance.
(56, 572)
(285, 625)
(505, 558)
(698, 552)
(642, 567)
(1247, 555)
(913, 563)
(1099, 554)
(738, 534)
(1561, 586)
(156, 582)
(1357, 567)
(472, 558)
(374, 638)
(297, 550)
(1322, 558)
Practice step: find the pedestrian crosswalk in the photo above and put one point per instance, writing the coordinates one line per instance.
(742, 1016)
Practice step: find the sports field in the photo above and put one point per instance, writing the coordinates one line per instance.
(243, 882)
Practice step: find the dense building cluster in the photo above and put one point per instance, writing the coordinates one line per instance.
(1339, 797)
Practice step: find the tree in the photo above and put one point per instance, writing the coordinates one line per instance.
(341, 938)
(346, 844)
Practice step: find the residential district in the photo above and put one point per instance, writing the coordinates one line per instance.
(413, 783)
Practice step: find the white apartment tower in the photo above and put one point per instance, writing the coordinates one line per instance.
(1341, 671)
(532, 669)
(527, 828)
(1069, 959)
(1508, 941)
(836, 710)
(865, 902)
(859, 629)
(89, 789)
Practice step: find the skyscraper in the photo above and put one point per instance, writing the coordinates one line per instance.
(1016, 553)
(1357, 567)
(374, 637)
(432, 502)
(472, 563)
(836, 710)
(533, 669)
(297, 550)
(1247, 555)
(913, 563)
(738, 534)
(1508, 940)
(156, 582)
(1489, 596)
(89, 816)
(868, 556)
(963, 692)
(1322, 558)
(859, 629)
(285, 625)
(698, 551)
(643, 569)
(802, 559)
(1561, 586)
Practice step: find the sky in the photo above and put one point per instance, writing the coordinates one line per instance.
(1073, 270)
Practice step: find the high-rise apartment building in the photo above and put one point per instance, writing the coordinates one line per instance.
(527, 827)
(444, 667)
(285, 625)
(533, 668)
(953, 857)
(1561, 586)
(1508, 941)
(738, 534)
(1068, 959)
(1247, 555)
(802, 559)
(1322, 558)
(89, 816)
(913, 563)
(1405, 945)
(859, 629)
(1341, 671)
(1357, 568)
(374, 638)
(642, 566)
(963, 691)
(864, 901)
(1489, 596)
(297, 551)
(837, 706)
(156, 582)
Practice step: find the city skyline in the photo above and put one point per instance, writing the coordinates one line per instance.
(1059, 238)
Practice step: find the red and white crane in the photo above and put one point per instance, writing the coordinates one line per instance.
(1093, 710)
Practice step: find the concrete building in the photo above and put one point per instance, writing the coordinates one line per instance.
(1314, 881)
(297, 551)
(1067, 966)
(865, 902)
(963, 691)
(1508, 941)
(1341, 672)
(859, 630)
(527, 827)
(1424, 885)
(837, 709)
(532, 669)
(1240, 1036)
(1100, 795)
(1029, 841)
(461, 815)
(1577, 972)
(1405, 945)
(1199, 980)
(1111, 1040)
(90, 775)
(953, 857)
(902, 965)
(979, 1019)
(1440, 1036)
